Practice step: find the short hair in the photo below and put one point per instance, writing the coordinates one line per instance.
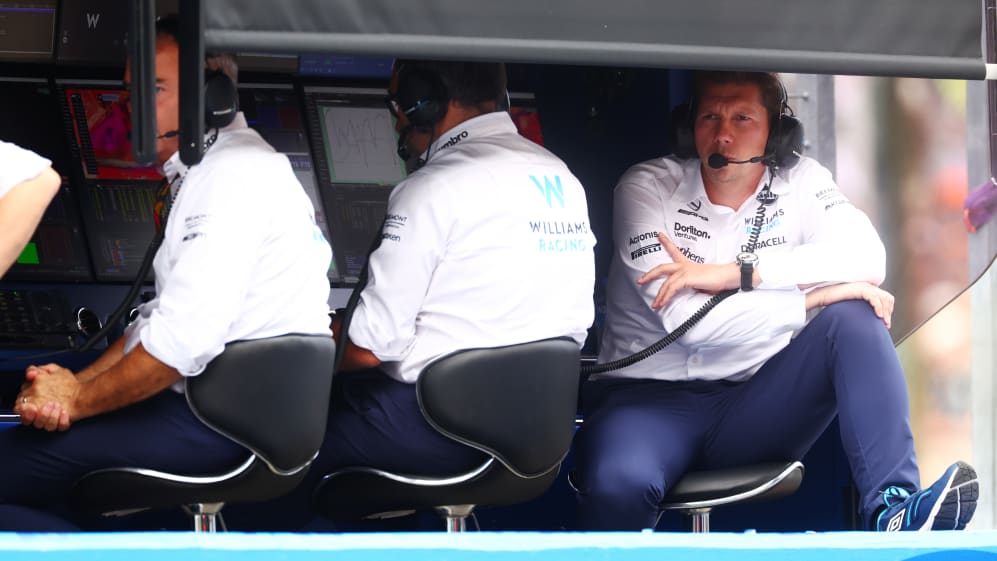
(769, 84)
(467, 83)
(169, 26)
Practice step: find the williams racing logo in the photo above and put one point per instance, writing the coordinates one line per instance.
(690, 232)
(647, 243)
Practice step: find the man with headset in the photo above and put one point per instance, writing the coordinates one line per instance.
(242, 258)
(487, 244)
(766, 370)
(27, 185)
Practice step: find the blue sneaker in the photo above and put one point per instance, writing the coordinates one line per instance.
(947, 505)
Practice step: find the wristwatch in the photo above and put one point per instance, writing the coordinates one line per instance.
(747, 262)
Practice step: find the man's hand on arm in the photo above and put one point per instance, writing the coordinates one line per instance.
(683, 273)
(52, 398)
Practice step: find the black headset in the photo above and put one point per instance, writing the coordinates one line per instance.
(422, 96)
(784, 145)
(221, 99)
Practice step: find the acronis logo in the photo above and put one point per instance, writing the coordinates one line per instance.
(552, 191)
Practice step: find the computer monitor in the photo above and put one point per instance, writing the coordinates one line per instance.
(117, 195)
(356, 162)
(93, 32)
(342, 66)
(98, 117)
(29, 117)
(27, 28)
(274, 110)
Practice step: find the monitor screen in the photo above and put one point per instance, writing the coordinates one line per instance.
(345, 66)
(98, 122)
(356, 163)
(29, 117)
(274, 110)
(118, 218)
(27, 28)
(93, 32)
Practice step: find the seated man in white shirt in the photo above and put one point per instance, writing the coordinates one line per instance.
(487, 244)
(27, 185)
(763, 374)
(242, 258)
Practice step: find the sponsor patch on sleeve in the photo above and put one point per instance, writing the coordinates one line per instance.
(831, 197)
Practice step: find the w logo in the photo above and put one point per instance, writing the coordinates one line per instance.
(550, 190)
(92, 20)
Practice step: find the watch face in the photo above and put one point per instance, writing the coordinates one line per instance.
(746, 258)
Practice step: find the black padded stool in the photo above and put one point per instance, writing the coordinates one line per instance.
(697, 493)
(269, 395)
(516, 403)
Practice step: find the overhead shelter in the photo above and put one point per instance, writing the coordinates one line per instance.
(916, 38)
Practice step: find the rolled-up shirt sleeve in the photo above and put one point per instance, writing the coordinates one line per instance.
(738, 320)
(839, 242)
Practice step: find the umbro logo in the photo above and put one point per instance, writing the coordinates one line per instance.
(896, 522)
(696, 205)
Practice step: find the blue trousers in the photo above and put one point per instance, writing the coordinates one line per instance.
(38, 468)
(374, 421)
(641, 436)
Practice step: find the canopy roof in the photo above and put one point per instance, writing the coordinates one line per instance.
(921, 38)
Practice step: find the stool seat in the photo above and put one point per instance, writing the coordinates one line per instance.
(698, 492)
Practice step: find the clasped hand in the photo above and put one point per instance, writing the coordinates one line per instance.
(47, 397)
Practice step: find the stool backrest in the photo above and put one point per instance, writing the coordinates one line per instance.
(517, 402)
(270, 395)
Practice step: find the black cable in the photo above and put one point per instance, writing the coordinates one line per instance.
(664, 341)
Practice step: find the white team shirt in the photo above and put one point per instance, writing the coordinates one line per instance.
(489, 244)
(811, 234)
(242, 257)
(17, 165)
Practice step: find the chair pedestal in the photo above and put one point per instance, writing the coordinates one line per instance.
(698, 493)
(455, 516)
(205, 516)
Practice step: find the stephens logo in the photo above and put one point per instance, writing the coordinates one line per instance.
(691, 256)
(690, 232)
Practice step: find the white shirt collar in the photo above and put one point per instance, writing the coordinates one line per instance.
(482, 125)
(174, 166)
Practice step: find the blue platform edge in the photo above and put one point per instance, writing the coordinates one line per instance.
(501, 546)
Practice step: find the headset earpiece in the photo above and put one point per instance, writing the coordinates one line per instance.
(422, 96)
(786, 142)
(221, 99)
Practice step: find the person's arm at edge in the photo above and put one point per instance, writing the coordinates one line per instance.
(21, 210)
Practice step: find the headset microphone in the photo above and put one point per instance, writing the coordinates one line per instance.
(168, 134)
(717, 161)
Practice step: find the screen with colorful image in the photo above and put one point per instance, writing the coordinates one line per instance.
(100, 121)
(523, 110)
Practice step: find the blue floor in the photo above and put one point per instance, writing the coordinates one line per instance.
(498, 546)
